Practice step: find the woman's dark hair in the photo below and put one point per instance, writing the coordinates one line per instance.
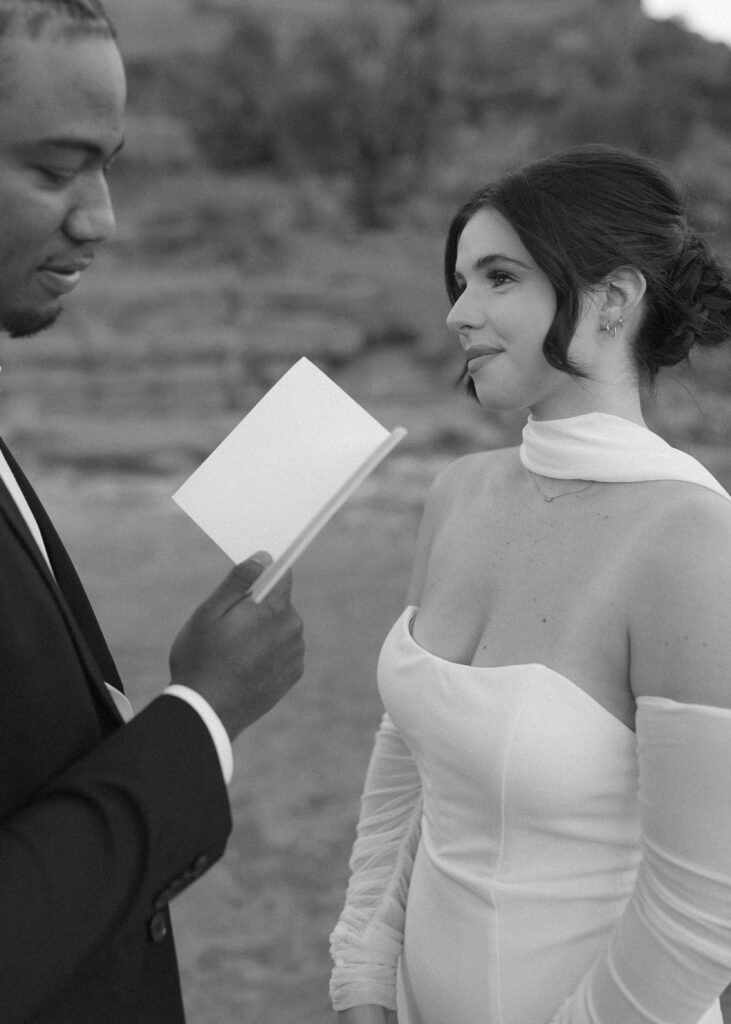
(584, 213)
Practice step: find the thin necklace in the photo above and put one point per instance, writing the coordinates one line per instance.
(565, 494)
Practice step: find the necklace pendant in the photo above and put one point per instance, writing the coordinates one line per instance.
(548, 498)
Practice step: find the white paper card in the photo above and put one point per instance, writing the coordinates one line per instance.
(287, 467)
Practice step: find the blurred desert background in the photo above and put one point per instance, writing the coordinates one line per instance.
(290, 170)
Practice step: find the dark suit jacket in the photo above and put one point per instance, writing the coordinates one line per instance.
(100, 823)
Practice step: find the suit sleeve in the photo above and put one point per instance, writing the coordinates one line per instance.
(104, 846)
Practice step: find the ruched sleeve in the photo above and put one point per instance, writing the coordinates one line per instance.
(366, 942)
(669, 957)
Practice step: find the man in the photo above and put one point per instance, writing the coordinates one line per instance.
(101, 822)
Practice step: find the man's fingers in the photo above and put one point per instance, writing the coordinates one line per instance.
(280, 595)
(245, 573)
(262, 557)
(238, 583)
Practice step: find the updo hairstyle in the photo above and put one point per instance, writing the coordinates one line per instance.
(585, 213)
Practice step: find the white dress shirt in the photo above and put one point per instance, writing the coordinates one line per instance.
(215, 727)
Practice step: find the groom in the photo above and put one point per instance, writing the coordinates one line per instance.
(103, 817)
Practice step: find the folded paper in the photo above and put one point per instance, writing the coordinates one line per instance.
(288, 466)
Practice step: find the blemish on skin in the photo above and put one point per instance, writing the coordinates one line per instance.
(544, 620)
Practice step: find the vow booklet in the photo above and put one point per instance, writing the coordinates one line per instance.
(284, 471)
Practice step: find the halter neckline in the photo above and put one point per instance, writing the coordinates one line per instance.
(603, 447)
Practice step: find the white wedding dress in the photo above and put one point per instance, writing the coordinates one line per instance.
(523, 857)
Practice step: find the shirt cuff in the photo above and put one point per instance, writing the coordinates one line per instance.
(214, 724)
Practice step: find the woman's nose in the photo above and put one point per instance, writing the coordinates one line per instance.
(463, 315)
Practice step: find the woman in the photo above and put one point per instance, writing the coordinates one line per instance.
(567, 632)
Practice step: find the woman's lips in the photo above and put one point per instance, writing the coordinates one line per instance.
(476, 357)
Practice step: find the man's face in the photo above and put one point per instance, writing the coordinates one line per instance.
(61, 123)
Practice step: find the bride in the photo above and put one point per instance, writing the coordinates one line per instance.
(545, 832)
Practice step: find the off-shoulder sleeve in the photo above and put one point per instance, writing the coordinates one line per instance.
(669, 958)
(366, 942)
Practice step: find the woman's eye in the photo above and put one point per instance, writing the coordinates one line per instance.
(499, 277)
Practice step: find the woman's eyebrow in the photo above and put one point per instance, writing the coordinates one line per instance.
(498, 257)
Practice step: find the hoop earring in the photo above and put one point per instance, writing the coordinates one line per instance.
(613, 327)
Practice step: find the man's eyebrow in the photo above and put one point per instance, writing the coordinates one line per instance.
(80, 145)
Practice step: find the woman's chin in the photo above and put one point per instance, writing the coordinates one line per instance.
(491, 397)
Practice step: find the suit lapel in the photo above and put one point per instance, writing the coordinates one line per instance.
(66, 587)
(18, 524)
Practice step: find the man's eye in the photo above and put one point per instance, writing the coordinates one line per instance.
(56, 175)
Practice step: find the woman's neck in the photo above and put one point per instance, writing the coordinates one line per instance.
(587, 397)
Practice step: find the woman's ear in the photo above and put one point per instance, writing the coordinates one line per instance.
(624, 291)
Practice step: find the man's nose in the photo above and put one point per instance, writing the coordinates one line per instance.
(92, 218)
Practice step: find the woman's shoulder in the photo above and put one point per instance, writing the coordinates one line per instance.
(677, 517)
(472, 472)
(680, 595)
(678, 531)
(455, 487)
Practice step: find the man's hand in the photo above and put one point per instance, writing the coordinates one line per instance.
(240, 656)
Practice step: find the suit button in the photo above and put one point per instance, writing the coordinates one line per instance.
(158, 926)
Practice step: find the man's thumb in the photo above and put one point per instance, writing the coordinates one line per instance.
(239, 581)
(246, 572)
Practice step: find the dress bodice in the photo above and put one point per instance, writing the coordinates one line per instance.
(529, 813)
(530, 833)
(513, 759)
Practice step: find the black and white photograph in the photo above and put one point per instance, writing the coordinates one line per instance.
(365, 512)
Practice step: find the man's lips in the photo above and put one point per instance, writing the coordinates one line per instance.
(68, 263)
(62, 277)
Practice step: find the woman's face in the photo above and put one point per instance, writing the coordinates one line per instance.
(502, 316)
